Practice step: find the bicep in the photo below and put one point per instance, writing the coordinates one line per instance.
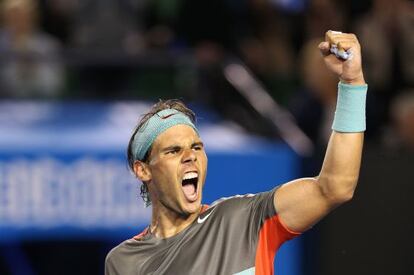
(301, 203)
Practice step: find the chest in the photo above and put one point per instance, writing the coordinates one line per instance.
(217, 248)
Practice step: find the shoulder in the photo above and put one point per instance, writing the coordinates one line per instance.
(243, 202)
(135, 243)
(117, 250)
(120, 251)
(246, 198)
(121, 258)
(232, 203)
(232, 199)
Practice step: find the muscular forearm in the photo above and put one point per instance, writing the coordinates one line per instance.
(303, 202)
(339, 175)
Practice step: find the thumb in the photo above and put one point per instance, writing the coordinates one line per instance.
(324, 47)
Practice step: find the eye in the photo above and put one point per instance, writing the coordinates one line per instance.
(173, 151)
(198, 147)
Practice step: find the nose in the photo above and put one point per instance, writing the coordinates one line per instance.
(189, 156)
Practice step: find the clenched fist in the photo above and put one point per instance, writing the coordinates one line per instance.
(349, 71)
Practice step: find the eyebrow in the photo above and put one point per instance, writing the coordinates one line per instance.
(176, 147)
(172, 147)
(197, 144)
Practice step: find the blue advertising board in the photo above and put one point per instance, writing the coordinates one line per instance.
(63, 170)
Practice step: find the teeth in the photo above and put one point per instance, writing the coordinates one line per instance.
(190, 175)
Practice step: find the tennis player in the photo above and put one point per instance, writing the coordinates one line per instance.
(241, 234)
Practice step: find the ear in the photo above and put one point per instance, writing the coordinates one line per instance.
(142, 171)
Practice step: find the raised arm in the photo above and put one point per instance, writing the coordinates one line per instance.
(303, 202)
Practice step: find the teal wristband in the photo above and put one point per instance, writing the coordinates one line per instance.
(350, 108)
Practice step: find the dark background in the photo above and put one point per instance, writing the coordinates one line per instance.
(132, 50)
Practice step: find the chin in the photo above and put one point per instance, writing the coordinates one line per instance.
(191, 208)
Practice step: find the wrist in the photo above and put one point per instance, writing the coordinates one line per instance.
(350, 108)
(358, 81)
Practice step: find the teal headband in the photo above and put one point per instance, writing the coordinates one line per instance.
(154, 126)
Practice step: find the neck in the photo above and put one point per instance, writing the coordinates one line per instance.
(166, 223)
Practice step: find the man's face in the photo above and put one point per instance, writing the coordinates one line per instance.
(178, 165)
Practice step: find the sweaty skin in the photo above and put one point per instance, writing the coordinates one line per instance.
(303, 202)
(179, 150)
(175, 152)
(243, 233)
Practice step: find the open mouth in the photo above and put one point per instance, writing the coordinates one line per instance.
(189, 185)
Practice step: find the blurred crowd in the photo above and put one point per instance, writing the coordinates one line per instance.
(146, 49)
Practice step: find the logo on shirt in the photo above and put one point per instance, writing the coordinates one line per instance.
(203, 219)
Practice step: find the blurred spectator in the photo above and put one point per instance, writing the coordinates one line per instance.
(267, 48)
(106, 25)
(30, 66)
(314, 105)
(161, 23)
(56, 16)
(105, 34)
(324, 15)
(205, 21)
(401, 133)
(405, 44)
(387, 35)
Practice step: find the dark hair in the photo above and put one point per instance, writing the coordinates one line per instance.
(159, 106)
